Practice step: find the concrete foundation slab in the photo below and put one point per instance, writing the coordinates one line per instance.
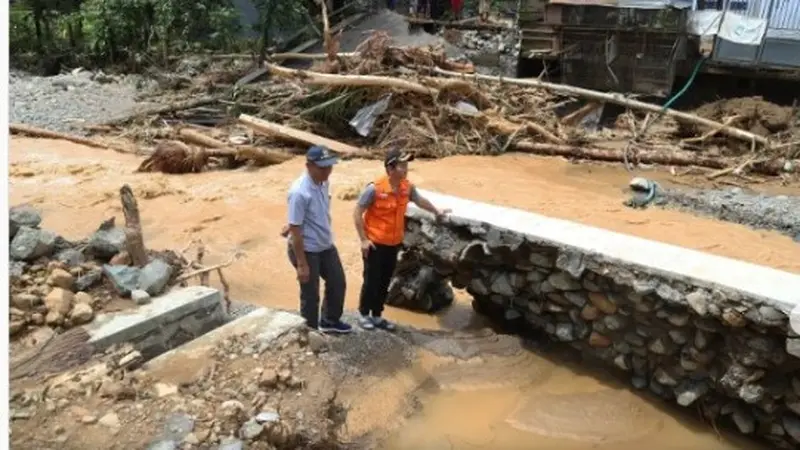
(168, 321)
(263, 325)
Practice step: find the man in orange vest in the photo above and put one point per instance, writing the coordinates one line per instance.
(380, 219)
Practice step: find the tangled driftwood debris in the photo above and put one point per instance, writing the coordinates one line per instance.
(436, 107)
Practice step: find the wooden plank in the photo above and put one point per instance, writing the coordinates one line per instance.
(275, 129)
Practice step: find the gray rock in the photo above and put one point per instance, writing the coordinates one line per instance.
(124, 278)
(230, 443)
(751, 393)
(679, 337)
(250, 430)
(140, 297)
(71, 257)
(478, 287)
(541, 260)
(565, 332)
(792, 426)
(639, 382)
(571, 262)
(154, 277)
(105, 243)
(502, 285)
(663, 377)
(178, 426)
(578, 299)
(614, 322)
(89, 279)
(744, 421)
(622, 362)
(689, 391)
(698, 301)
(269, 416)
(669, 294)
(701, 339)
(31, 243)
(16, 269)
(679, 320)
(772, 316)
(660, 346)
(634, 339)
(23, 216)
(644, 287)
(563, 281)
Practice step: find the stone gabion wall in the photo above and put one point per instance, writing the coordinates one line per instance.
(690, 344)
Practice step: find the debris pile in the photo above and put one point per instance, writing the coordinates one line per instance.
(382, 96)
(280, 399)
(61, 284)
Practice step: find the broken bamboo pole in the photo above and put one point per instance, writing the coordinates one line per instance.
(259, 156)
(275, 129)
(36, 132)
(326, 79)
(165, 109)
(615, 98)
(669, 158)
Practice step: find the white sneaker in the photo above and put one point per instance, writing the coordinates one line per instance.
(366, 323)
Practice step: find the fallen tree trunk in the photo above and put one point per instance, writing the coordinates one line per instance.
(259, 156)
(325, 79)
(672, 158)
(134, 239)
(27, 130)
(618, 99)
(275, 129)
(308, 56)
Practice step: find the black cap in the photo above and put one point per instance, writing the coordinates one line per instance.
(321, 156)
(397, 156)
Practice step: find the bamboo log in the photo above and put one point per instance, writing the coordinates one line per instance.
(27, 130)
(673, 158)
(282, 131)
(325, 79)
(618, 99)
(259, 156)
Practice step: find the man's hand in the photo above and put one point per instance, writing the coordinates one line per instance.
(285, 230)
(366, 246)
(303, 273)
(442, 214)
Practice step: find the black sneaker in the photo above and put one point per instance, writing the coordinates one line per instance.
(337, 327)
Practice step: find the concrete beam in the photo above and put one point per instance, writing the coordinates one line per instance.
(781, 289)
(194, 310)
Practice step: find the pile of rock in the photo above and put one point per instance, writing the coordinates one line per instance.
(506, 42)
(239, 400)
(59, 283)
(719, 349)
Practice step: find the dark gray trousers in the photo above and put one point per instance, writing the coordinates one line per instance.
(326, 265)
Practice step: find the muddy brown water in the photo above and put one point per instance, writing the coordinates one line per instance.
(531, 404)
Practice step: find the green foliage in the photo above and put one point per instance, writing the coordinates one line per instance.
(136, 33)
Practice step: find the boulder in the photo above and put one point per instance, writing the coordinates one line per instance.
(71, 257)
(31, 243)
(154, 277)
(105, 243)
(61, 278)
(81, 313)
(23, 216)
(124, 278)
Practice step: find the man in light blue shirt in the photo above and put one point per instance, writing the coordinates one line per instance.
(311, 248)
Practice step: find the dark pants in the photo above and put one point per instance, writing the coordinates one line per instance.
(326, 265)
(378, 270)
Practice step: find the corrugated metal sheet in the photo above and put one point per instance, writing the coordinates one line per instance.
(784, 22)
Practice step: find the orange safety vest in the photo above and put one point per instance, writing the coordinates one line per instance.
(385, 219)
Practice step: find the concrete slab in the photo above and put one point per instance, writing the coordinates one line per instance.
(264, 325)
(782, 289)
(181, 314)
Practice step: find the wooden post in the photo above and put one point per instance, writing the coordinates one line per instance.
(134, 241)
